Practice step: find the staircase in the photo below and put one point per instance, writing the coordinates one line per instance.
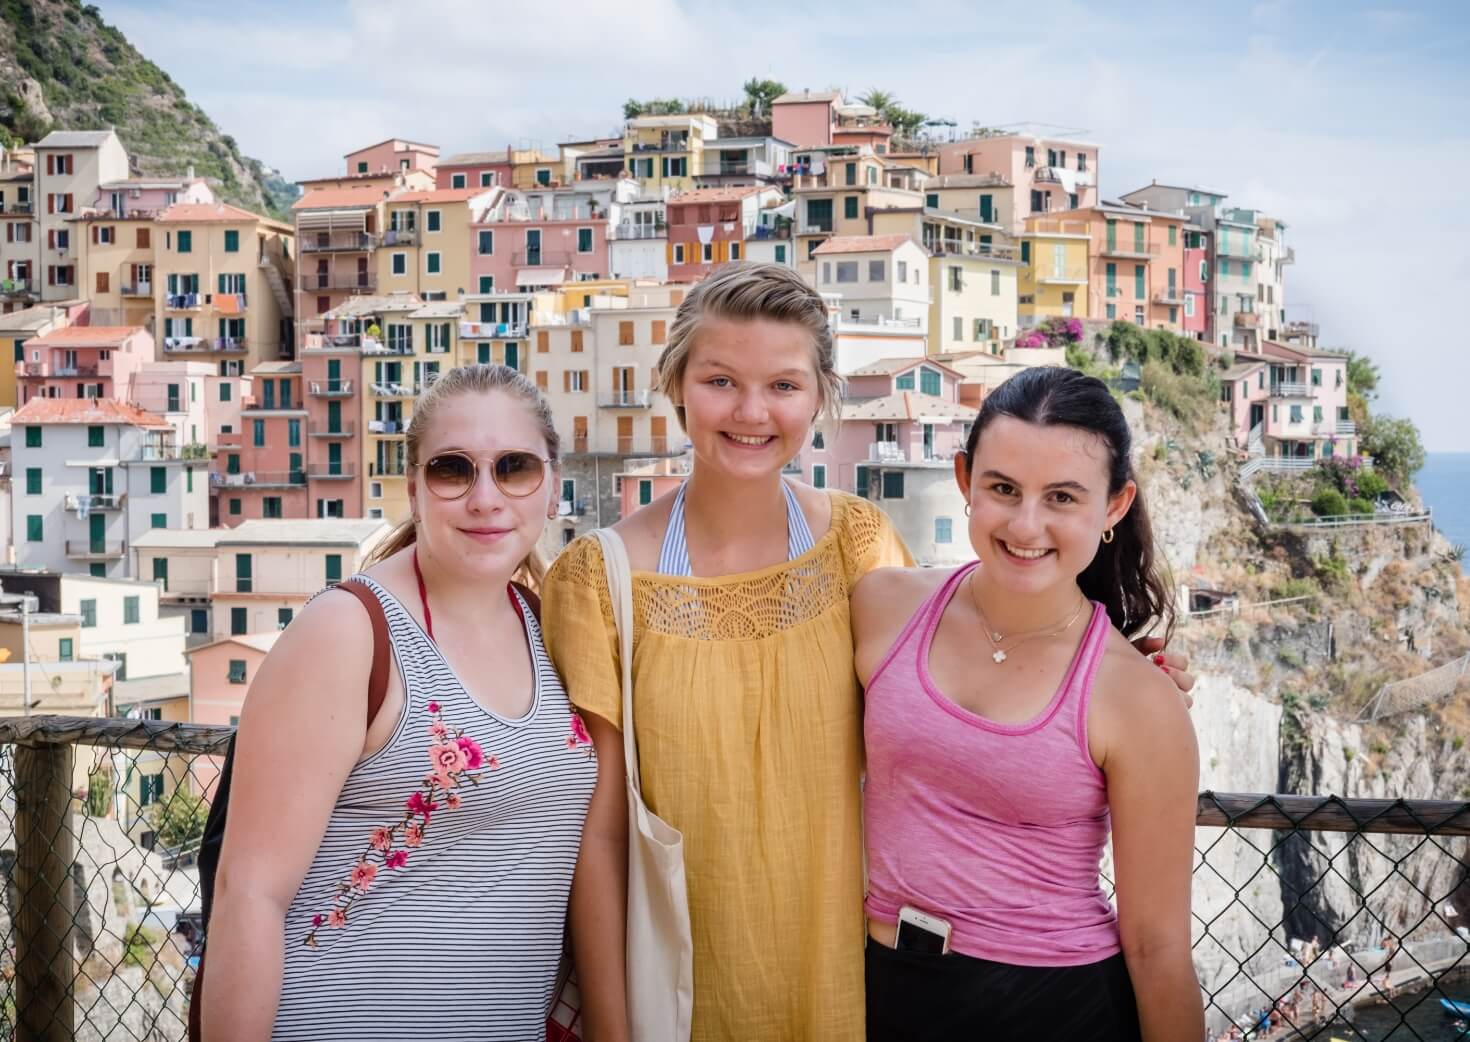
(1256, 446)
(274, 264)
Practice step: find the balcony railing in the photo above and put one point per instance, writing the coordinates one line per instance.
(492, 330)
(886, 452)
(817, 229)
(1290, 390)
(1128, 249)
(393, 390)
(953, 248)
(630, 399)
(16, 287)
(335, 242)
(1235, 249)
(628, 230)
(391, 469)
(229, 345)
(387, 428)
(26, 207)
(401, 237)
(1247, 320)
(87, 502)
(1065, 276)
(382, 347)
(183, 301)
(89, 550)
(362, 280)
(323, 430)
(541, 259)
(763, 232)
(1168, 295)
(137, 289)
(263, 479)
(156, 453)
(331, 471)
(330, 388)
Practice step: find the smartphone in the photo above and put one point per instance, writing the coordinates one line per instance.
(921, 932)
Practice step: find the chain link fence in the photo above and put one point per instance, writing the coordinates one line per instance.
(1314, 917)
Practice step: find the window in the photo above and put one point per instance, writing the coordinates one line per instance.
(877, 271)
(943, 530)
(257, 428)
(982, 329)
(734, 251)
(487, 283)
(931, 200)
(431, 262)
(232, 240)
(850, 207)
(1138, 279)
(33, 481)
(819, 475)
(283, 618)
(270, 506)
(35, 528)
(158, 477)
(625, 333)
(994, 283)
(707, 253)
(150, 789)
(244, 574)
(485, 243)
(1189, 305)
(1025, 251)
(1173, 235)
(904, 382)
(956, 279)
(847, 271)
(400, 263)
(431, 221)
(199, 620)
(362, 166)
(33, 437)
(1296, 414)
(1112, 311)
(780, 253)
(850, 174)
(87, 608)
(237, 671)
(224, 391)
(1316, 414)
(959, 328)
(160, 571)
(237, 621)
(130, 611)
(65, 649)
(678, 253)
(186, 242)
(1316, 377)
(930, 382)
(584, 240)
(456, 180)
(334, 568)
(818, 441)
(893, 484)
(486, 178)
(645, 492)
(860, 479)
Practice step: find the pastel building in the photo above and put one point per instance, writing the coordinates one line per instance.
(817, 118)
(544, 237)
(1290, 403)
(988, 198)
(92, 474)
(1272, 257)
(221, 673)
(1137, 259)
(1198, 296)
(1055, 260)
(139, 197)
(20, 252)
(638, 241)
(845, 195)
(82, 362)
(902, 423)
(17, 328)
(879, 281)
(1046, 174)
(260, 470)
(177, 391)
(393, 156)
(667, 152)
(338, 232)
(709, 226)
(69, 167)
(744, 161)
(474, 170)
(426, 250)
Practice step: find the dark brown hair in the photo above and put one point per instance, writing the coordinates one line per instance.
(1124, 576)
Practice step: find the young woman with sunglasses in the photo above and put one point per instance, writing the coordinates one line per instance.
(409, 878)
(748, 711)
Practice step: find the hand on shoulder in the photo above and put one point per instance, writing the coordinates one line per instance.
(1135, 705)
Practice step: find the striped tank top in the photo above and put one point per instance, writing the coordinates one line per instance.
(436, 904)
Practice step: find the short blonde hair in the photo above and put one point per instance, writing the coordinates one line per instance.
(746, 289)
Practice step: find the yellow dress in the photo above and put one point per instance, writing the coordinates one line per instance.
(750, 743)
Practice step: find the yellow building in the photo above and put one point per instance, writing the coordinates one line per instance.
(532, 168)
(426, 248)
(988, 198)
(666, 153)
(972, 301)
(1054, 266)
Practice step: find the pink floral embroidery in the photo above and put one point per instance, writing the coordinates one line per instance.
(454, 759)
(579, 736)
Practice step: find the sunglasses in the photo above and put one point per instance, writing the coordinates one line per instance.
(452, 475)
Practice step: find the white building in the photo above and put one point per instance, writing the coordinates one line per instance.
(70, 166)
(638, 240)
(178, 391)
(90, 476)
(879, 280)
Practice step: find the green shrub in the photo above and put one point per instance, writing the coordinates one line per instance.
(1360, 506)
(1371, 484)
(139, 946)
(1329, 503)
(1293, 588)
(1186, 397)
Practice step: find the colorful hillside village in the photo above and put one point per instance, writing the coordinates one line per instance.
(205, 419)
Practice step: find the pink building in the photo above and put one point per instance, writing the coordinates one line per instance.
(474, 170)
(709, 226)
(260, 468)
(220, 675)
(141, 197)
(805, 117)
(1048, 174)
(543, 238)
(392, 156)
(1197, 293)
(1290, 402)
(82, 362)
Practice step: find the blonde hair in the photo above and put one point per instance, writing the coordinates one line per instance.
(473, 379)
(747, 289)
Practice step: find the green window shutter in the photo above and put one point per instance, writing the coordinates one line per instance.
(433, 268)
(904, 382)
(487, 283)
(88, 611)
(283, 618)
(65, 649)
(487, 243)
(224, 392)
(234, 508)
(584, 240)
(130, 611)
(930, 382)
(1173, 235)
(239, 621)
(334, 568)
(232, 240)
(432, 220)
(893, 484)
(293, 433)
(35, 528)
(1112, 276)
(158, 521)
(33, 481)
(645, 493)
(96, 437)
(1138, 290)
(257, 430)
(186, 242)
(1025, 251)
(33, 437)
(243, 573)
(850, 207)
(932, 200)
(158, 480)
(237, 665)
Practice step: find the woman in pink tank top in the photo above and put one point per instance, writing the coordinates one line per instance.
(1010, 727)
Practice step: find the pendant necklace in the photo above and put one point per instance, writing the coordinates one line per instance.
(999, 654)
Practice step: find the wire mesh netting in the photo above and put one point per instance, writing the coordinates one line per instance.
(1314, 918)
(1435, 685)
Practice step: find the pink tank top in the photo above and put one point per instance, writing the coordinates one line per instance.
(998, 828)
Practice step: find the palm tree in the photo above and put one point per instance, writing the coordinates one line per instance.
(881, 100)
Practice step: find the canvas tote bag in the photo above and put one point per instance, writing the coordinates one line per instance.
(660, 947)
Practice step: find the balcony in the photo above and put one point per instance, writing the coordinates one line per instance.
(94, 550)
(627, 399)
(16, 287)
(1063, 276)
(391, 469)
(19, 207)
(197, 345)
(541, 259)
(1290, 390)
(362, 281)
(1247, 320)
(817, 229)
(337, 242)
(260, 479)
(387, 428)
(401, 237)
(1168, 295)
(1041, 227)
(912, 325)
(156, 454)
(955, 248)
(762, 233)
(379, 347)
(330, 388)
(137, 289)
(183, 301)
(343, 342)
(492, 330)
(331, 471)
(1235, 249)
(1128, 250)
(628, 230)
(94, 502)
(1343, 427)
(886, 452)
(393, 390)
(46, 369)
(322, 430)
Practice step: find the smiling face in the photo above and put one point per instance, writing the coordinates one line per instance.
(1039, 502)
(750, 393)
(486, 533)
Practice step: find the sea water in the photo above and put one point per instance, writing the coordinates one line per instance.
(1445, 485)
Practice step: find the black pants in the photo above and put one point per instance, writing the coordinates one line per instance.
(913, 997)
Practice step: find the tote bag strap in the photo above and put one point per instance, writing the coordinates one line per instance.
(620, 592)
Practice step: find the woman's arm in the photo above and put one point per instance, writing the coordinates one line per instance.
(1151, 760)
(302, 729)
(600, 893)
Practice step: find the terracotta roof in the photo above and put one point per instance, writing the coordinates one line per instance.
(333, 198)
(441, 195)
(86, 336)
(475, 159)
(862, 244)
(196, 212)
(716, 195)
(905, 405)
(808, 95)
(892, 366)
(89, 411)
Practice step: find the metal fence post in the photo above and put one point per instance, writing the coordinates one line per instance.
(45, 967)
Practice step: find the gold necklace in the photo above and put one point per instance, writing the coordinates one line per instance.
(995, 637)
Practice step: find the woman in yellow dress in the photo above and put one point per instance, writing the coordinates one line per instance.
(748, 710)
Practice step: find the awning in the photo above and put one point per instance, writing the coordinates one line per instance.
(541, 276)
(332, 220)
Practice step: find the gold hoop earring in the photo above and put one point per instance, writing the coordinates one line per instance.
(1108, 536)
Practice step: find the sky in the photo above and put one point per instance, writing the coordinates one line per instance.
(1341, 118)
